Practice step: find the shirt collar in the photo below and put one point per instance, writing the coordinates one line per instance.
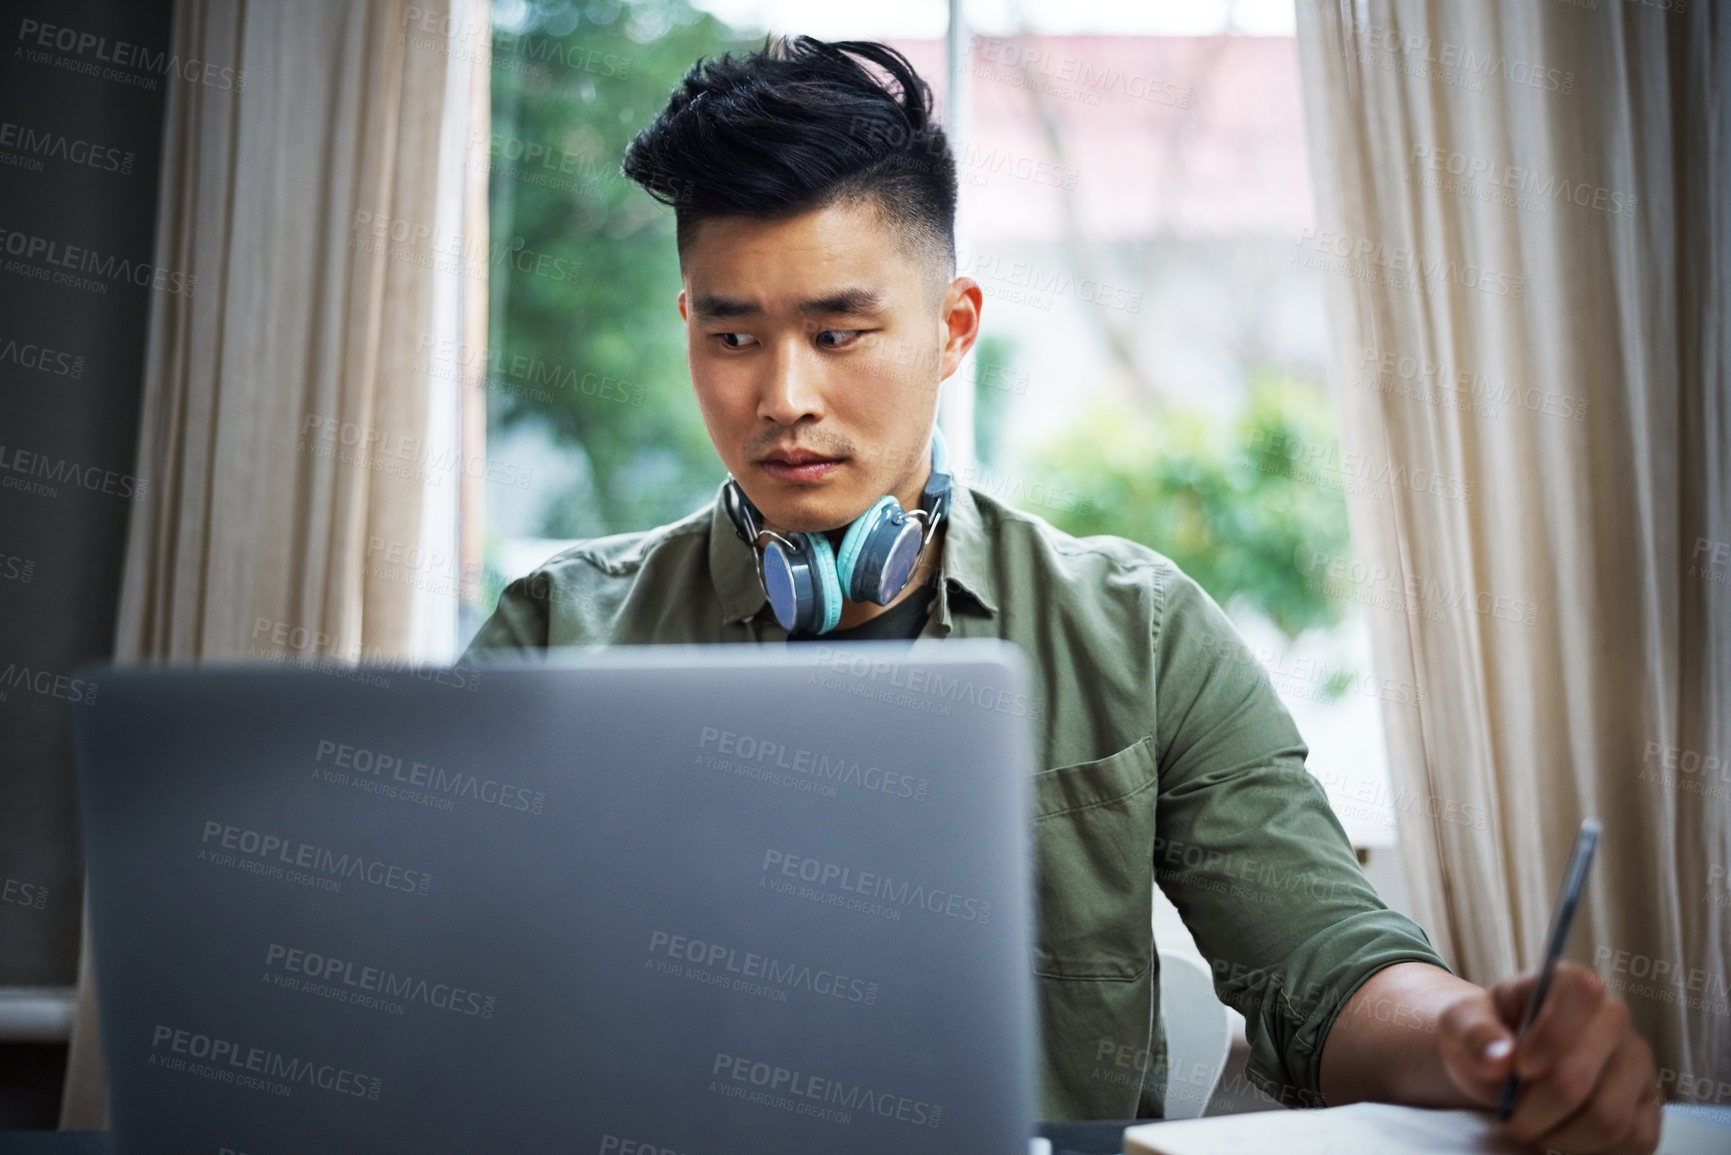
(967, 561)
(732, 568)
(965, 567)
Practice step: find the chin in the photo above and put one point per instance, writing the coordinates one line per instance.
(813, 513)
(812, 518)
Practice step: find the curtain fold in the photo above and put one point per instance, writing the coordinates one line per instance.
(287, 425)
(1524, 229)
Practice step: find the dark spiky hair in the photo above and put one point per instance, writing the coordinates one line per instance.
(797, 126)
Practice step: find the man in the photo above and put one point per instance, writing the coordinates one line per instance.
(814, 207)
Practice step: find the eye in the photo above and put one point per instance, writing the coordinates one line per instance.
(729, 341)
(850, 335)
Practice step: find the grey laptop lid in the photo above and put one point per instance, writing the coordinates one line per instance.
(668, 899)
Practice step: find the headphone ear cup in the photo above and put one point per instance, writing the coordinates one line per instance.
(854, 581)
(787, 581)
(826, 585)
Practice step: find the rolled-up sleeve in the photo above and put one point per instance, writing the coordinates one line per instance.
(1251, 854)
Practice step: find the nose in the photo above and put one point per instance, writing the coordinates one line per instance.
(791, 389)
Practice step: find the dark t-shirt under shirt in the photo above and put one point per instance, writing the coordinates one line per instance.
(904, 620)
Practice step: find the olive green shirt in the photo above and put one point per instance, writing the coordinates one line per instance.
(1164, 756)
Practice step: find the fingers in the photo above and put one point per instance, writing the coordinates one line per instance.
(1575, 996)
(1511, 995)
(1588, 1084)
(1568, 1077)
(1649, 1118)
(1478, 1049)
(1623, 1112)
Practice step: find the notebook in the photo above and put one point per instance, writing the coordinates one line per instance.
(1383, 1128)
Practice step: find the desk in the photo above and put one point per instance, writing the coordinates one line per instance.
(1094, 1137)
(1089, 1138)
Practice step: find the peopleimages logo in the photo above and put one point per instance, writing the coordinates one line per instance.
(1716, 882)
(1545, 187)
(863, 882)
(744, 968)
(1458, 61)
(1058, 67)
(259, 1068)
(1670, 981)
(619, 1145)
(366, 446)
(801, 1093)
(1039, 286)
(15, 890)
(358, 982)
(368, 769)
(526, 376)
(33, 143)
(121, 60)
(1364, 258)
(46, 683)
(60, 263)
(41, 358)
(40, 474)
(1345, 573)
(1297, 451)
(1467, 385)
(839, 770)
(910, 681)
(269, 854)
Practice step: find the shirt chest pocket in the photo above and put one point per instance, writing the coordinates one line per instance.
(1094, 841)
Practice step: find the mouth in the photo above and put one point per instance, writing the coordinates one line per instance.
(798, 465)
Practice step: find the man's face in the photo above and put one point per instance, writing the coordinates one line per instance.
(817, 347)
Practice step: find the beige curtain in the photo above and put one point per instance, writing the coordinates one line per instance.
(1524, 226)
(290, 419)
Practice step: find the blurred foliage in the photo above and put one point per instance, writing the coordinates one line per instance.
(598, 356)
(1216, 495)
(994, 384)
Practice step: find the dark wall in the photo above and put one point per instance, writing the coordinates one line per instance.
(80, 142)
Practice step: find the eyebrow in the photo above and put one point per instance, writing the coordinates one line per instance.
(849, 302)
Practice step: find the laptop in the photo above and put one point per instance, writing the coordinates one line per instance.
(664, 900)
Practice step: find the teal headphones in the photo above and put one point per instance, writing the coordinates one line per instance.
(806, 580)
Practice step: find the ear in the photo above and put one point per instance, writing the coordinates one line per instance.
(681, 302)
(963, 301)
